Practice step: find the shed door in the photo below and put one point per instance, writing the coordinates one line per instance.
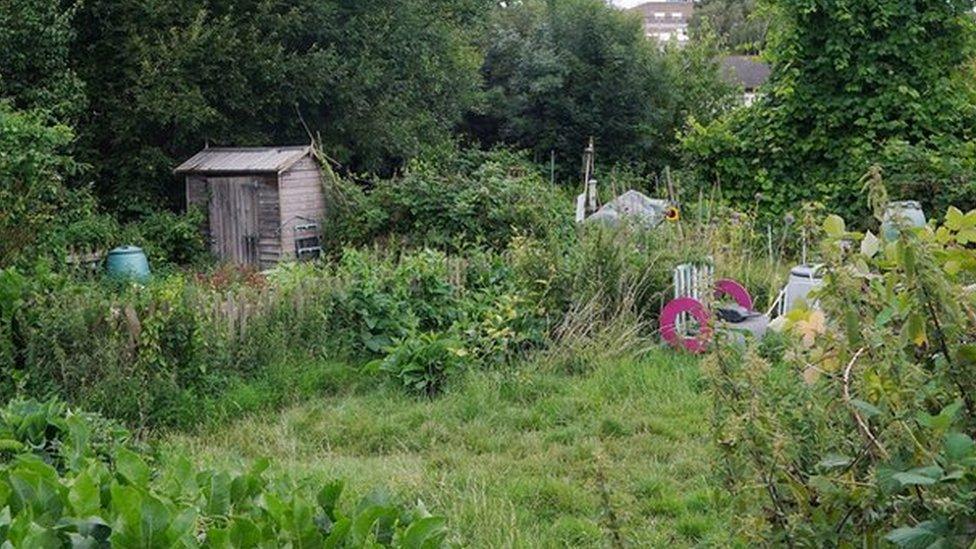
(234, 219)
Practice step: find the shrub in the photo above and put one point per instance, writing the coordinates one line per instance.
(68, 480)
(862, 433)
(422, 363)
(170, 238)
(469, 199)
(32, 173)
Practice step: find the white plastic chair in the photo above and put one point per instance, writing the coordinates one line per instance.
(694, 280)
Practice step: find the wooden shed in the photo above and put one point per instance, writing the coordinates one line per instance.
(263, 204)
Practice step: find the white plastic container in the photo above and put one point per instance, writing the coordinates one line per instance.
(803, 280)
(907, 213)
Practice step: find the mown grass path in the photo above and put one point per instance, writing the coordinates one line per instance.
(520, 458)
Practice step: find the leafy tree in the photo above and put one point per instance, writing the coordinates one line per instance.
(35, 73)
(32, 171)
(699, 92)
(559, 72)
(378, 81)
(164, 79)
(736, 22)
(849, 81)
(403, 75)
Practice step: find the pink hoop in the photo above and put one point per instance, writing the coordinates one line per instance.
(669, 314)
(736, 291)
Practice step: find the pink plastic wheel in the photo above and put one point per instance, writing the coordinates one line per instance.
(669, 315)
(736, 291)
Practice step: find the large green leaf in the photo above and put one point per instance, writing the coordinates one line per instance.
(328, 497)
(923, 536)
(955, 219)
(370, 522)
(84, 496)
(958, 446)
(132, 468)
(920, 476)
(244, 534)
(834, 226)
(424, 533)
(870, 245)
(217, 493)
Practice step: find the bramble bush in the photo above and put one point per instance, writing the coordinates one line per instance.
(452, 201)
(858, 430)
(74, 479)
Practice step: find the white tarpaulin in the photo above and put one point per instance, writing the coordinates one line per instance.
(632, 206)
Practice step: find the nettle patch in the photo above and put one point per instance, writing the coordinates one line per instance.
(858, 427)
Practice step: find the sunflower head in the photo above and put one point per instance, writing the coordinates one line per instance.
(672, 214)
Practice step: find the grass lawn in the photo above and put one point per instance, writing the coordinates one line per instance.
(618, 456)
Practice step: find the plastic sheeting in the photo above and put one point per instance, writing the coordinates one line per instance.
(632, 206)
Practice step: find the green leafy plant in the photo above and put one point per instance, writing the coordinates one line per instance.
(67, 479)
(423, 363)
(862, 430)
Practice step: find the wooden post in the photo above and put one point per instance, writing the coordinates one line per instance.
(589, 183)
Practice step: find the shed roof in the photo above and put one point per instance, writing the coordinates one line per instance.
(748, 71)
(244, 160)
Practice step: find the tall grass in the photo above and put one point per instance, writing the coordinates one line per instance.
(522, 456)
(158, 355)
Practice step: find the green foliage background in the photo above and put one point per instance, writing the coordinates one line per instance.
(739, 25)
(853, 84)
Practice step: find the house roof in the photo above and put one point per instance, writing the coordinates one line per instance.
(648, 9)
(747, 71)
(243, 160)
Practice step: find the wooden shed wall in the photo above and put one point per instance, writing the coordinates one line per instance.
(198, 193)
(302, 198)
(269, 210)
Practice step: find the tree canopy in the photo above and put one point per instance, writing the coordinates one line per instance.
(377, 81)
(853, 84)
(144, 84)
(35, 69)
(557, 73)
(737, 24)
